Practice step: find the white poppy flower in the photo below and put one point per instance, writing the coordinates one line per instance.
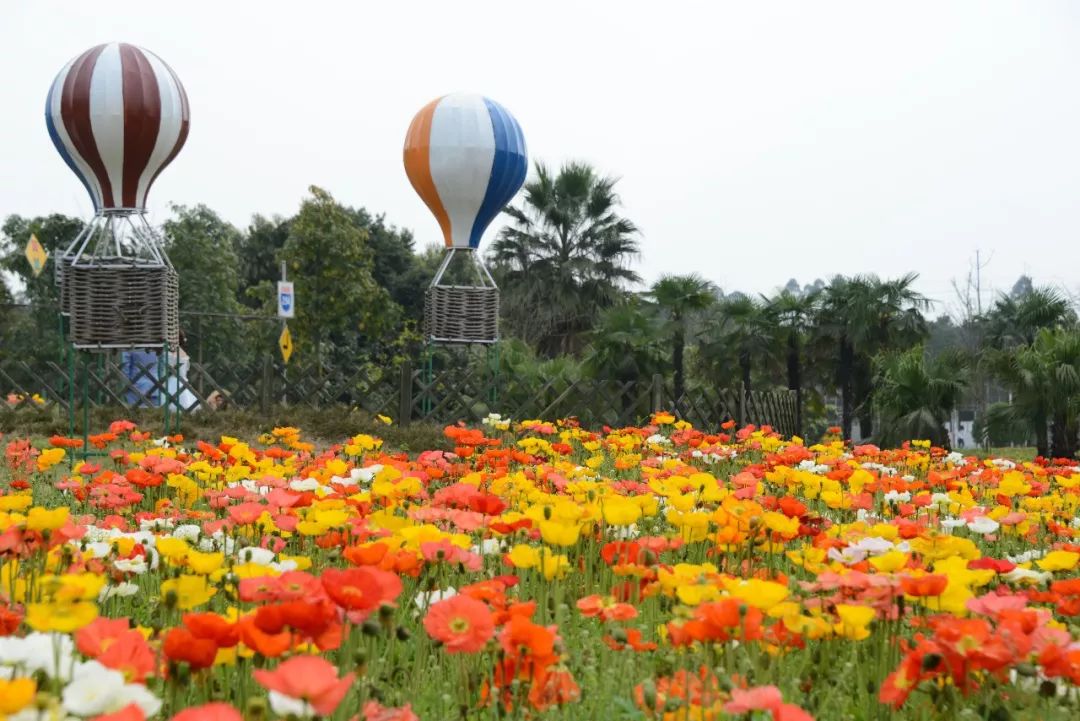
(847, 556)
(188, 532)
(307, 484)
(487, 547)
(256, 555)
(284, 705)
(1018, 575)
(120, 590)
(424, 599)
(137, 565)
(136, 693)
(94, 690)
(983, 525)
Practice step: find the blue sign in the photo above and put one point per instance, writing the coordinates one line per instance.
(286, 303)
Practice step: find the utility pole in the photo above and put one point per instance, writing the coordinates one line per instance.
(978, 282)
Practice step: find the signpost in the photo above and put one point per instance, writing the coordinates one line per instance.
(286, 308)
(36, 255)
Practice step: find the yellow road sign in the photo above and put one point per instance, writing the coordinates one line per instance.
(36, 255)
(285, 343)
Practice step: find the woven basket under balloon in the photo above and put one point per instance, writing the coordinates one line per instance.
(457, 314)
(62, 264)
(123, 305)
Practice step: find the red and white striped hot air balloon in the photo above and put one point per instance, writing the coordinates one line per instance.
(118, 115)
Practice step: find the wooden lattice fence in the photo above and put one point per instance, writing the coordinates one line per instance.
(406, 393)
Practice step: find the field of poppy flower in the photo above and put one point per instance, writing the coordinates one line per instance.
(540, 570)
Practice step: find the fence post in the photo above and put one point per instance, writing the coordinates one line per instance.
(740, 409)
(264, 395)
(405, 394)
(657, 392)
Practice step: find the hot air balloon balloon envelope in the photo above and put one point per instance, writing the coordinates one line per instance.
(118, 115)
(465, 155)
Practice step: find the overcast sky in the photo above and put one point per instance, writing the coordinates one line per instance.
(755, 141)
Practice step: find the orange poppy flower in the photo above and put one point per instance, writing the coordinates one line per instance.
(269, 645)
(461, 623)
(929, 585)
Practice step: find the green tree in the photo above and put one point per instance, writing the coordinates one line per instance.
(1016, 319)
(329, 259)
(861, 317)
(33, 333)
(916, 394)
(201, 246)
(738, 334)
(681, 298)
(792, 314)
(626, 344)
(1044, 380)
(563, 258)
(396, 266)
(257, 253)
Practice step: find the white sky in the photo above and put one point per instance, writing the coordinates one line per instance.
(756, 141)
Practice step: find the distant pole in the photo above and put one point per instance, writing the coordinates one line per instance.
(978, 281)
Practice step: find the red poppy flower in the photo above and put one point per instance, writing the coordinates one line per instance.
(311, 679)
(131, 712)
(606, 608)
(93, 639)
(131, 655)
(216, 711)
(9, 620)
(632, 640)
(361, 590)
(212, 627)
(181, 645)
(374, 711)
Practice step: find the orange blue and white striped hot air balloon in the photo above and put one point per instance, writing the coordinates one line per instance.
(465, 156)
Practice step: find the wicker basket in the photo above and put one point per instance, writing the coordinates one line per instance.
(459, 314)
(60, 268)
(122, 305)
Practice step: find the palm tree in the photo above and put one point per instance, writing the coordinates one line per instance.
(563, 258)
(1044, 380)
(625, 344)
(737, 329)
(792, 313)
(681, 297)
(626, 347)
(1016, 320)
(864, 316)
(916, 393)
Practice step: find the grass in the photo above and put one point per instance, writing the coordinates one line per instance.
(1019, 453)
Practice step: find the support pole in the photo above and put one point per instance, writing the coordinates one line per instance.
(405, 394)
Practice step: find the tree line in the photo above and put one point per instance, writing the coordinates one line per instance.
(855, 350)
